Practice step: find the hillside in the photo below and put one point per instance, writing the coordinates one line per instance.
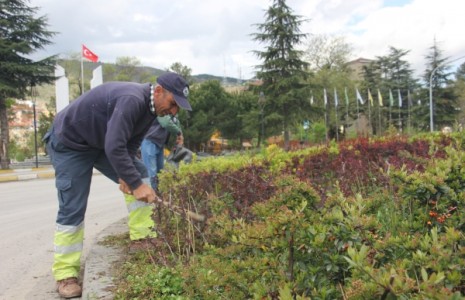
(73, 68)
(113, 72)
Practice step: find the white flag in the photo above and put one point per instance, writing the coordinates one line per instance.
(380, 98)
(359, 97)
(336, 102)
(391, 98)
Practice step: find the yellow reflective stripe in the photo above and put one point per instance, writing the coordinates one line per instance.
(140, 222)
(69, 228)
(63, 238)
(136, 205)
(66, 265)
(68, 249)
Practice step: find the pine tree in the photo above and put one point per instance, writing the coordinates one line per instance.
(393, 72)
(21, 34)
(283, 72)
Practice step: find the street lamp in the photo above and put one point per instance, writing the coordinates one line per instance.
(33, 96)
(261, 104)
(431, 124)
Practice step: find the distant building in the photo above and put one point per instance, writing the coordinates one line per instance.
(21, 121)
(356, 67)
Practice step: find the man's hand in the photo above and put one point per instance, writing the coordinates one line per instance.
(142, 193)
(124, 187)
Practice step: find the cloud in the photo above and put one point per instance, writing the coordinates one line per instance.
(214, 37)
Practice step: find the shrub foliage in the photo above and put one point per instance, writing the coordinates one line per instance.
(364, 219)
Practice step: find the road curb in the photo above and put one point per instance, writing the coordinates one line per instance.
(45, 175)
(21, 177)
(8, 178)
(97, 281)
(17, 176)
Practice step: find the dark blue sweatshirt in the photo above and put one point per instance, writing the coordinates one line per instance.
(113, 117)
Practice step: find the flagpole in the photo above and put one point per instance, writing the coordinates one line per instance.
(337, 129)
(82, 74)
(325, 99)
(326, 124)
(347, 109)
(390, 114)
(400, 121)
(400, 107)
(358, 114)
(379, 119)
(391, 103)
(369, 114)
(336, 105)
(408, 110)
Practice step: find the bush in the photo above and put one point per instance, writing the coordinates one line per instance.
(360, 220)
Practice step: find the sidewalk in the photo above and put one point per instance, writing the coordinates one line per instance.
(97, 281)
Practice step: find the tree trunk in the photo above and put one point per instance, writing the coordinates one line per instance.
(4, 136)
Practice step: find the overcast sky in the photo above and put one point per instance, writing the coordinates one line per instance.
(213, 37)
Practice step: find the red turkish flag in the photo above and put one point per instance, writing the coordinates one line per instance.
(89, 54)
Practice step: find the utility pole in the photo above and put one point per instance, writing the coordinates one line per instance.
(431, 123)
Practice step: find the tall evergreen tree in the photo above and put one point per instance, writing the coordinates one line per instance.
(402, 80)
(283, 71)
(21, 34)
(371, 82)
(393, 73)
(209, 101)
(240, 119)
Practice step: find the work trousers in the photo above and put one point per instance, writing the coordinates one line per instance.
(73, 175)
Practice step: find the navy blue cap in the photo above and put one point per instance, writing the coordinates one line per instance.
(177, 85)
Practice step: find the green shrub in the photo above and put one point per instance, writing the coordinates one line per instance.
(364, 219)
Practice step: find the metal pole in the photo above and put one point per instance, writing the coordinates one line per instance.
(263, 127)
(431, 99)
(82, 75)
(337, 125)
(358, 115)
(431, 125)
(35, 132)
(261, 103)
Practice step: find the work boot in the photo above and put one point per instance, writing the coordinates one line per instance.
(69, 288)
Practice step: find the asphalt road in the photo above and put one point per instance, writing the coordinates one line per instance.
(27, 221)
